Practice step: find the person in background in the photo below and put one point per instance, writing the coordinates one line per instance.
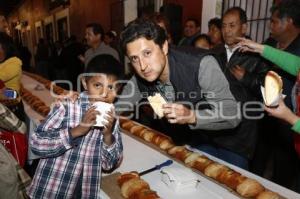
(94, 35)
(202, 41)
(13, 179)
(70, 62)
(10, 72)
(190, 31)
(73, 151)
(284, 33)
(163, 22)
(215, 32)
(42, 58)
(285, 60)
(289, 63)
(110, 37)
(3, 24)
(245, 72)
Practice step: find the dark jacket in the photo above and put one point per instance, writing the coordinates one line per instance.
(184, 79)
(245, 90)
(184, 72)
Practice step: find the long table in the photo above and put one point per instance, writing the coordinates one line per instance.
(138, 157)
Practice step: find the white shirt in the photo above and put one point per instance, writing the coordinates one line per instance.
(230, 51)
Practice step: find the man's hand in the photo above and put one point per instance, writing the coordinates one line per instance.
(109, 126)
(179, 114)
(246, 45)
(238, 72)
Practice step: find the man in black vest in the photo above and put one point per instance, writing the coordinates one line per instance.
(245, 73)
(195, 88)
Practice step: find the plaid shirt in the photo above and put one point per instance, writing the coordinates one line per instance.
(9, 121)
(66, 160)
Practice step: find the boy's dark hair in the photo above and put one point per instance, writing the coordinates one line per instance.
(7, 46)
(290, 9)
(97, 29)
(215, 21)
(106, 64)
(202, 36)
(242, 14)
(143, 28)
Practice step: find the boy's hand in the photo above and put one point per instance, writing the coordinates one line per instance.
(88, 120)
(109, 126)
(72, 95)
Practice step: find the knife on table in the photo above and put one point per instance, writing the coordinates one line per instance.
(157, 167)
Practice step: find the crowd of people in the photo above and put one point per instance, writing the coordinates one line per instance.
(211, 83)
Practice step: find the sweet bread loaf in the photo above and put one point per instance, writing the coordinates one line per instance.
(127, 176)
(145, 194)
(268, 195)
(156, 103)
(214, 169)
(133, 187)
(249, 188)
(148, 135)
(127, 125)
(166, 144)
(230, 178)
(137, 130)
(273, 87)
(200, 163)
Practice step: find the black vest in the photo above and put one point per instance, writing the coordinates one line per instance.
(184, 70)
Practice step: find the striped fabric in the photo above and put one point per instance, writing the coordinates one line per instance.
(67, 161)
(9, 121)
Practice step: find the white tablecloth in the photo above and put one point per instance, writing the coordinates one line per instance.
(139, 157)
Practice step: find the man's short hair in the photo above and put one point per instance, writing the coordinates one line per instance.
(196, 22)
(288, 8)
(242, 14)
(143, 28)
(106, 64)
(215, 21)
(97, 29)
(202, 36)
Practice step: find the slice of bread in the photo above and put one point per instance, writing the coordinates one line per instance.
(273, 87)
(156, 103)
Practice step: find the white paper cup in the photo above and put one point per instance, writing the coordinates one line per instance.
(103, 108)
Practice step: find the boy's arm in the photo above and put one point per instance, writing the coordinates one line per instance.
(111, 155)
(52, 137)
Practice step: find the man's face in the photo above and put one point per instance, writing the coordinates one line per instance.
(101, 87)
(190, 29)
(215, 34)
(90, 37)
(277, 26)
(232, 28)
(147, 58)
(3, 24)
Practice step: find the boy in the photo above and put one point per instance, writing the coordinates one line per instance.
(73, 150)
